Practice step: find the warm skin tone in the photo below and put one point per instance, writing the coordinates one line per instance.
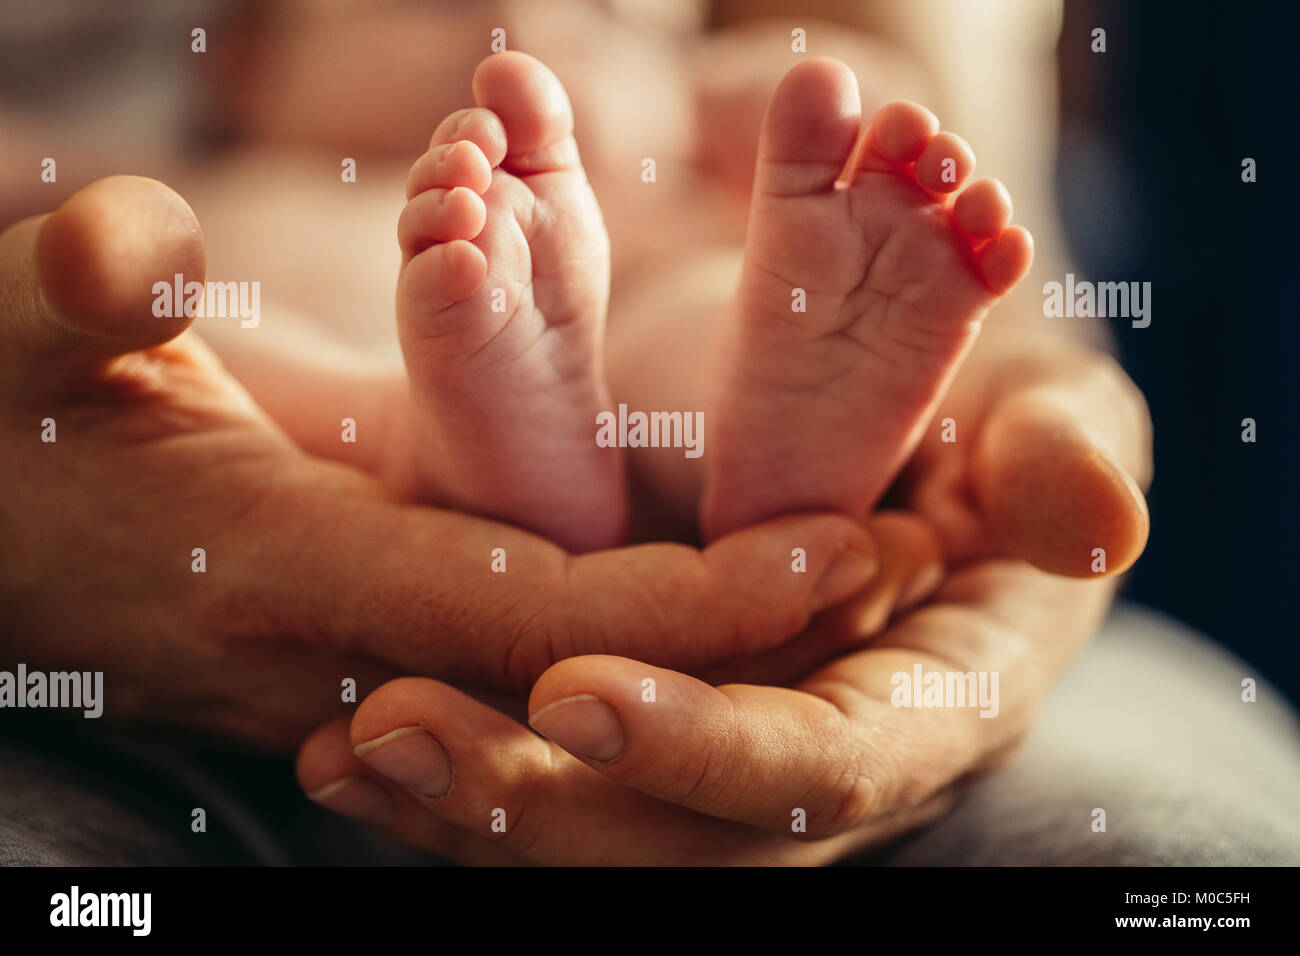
(196, 438)
(711, 774)
(1078, 407)
(896, 263)
(314, 570)
(500, 212)
(897, 270)
(1053, 450)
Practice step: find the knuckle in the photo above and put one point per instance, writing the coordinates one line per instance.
(532, 633)
(761, 616)
(695, 778)
(522, 795)
(524, 829)
(845, 802)
(532, 642)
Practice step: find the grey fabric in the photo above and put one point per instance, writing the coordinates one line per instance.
(80, 793)
(52, 815)
(1148, 725)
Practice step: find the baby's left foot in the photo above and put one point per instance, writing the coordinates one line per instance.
(863, 288)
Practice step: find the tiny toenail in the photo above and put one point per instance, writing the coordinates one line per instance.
(448, 150)
(460, 124)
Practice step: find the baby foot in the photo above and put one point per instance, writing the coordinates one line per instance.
(894, 266)
(501, 307)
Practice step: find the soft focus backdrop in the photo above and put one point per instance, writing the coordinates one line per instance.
(1153, 134)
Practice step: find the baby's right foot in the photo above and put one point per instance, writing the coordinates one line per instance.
(501, 308)
(820, 406)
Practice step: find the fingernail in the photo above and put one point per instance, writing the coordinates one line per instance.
(583, 725)
(847, 574)
(412, 757)
(357, 798)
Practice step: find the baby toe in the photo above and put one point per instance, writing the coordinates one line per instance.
(945, 164)
(440, 215)
(455, 164)
(900, 131)
(437, 278)
(810, 126)
(527, 97)
(983, 209)
(480, 126)
(1005, 259)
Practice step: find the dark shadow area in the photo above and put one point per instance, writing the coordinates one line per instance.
(1154, 133)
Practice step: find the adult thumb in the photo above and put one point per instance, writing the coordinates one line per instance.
(1059, 470)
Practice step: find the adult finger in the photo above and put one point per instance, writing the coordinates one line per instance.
(478, 602)
(472, 767)
(488, 790)
(840, 750)
(910, 567)
(331, 774)
(78, 287)
(1060, 465)
(764, 756)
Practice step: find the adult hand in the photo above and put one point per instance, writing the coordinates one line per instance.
(1058, 444)
(311, 571)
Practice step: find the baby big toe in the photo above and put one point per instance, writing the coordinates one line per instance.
(533, 108)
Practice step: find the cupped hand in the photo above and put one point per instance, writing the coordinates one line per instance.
(1053, 450)
(128, 449)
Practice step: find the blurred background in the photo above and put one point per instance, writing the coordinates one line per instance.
(1140, 150)
(1152, 140)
